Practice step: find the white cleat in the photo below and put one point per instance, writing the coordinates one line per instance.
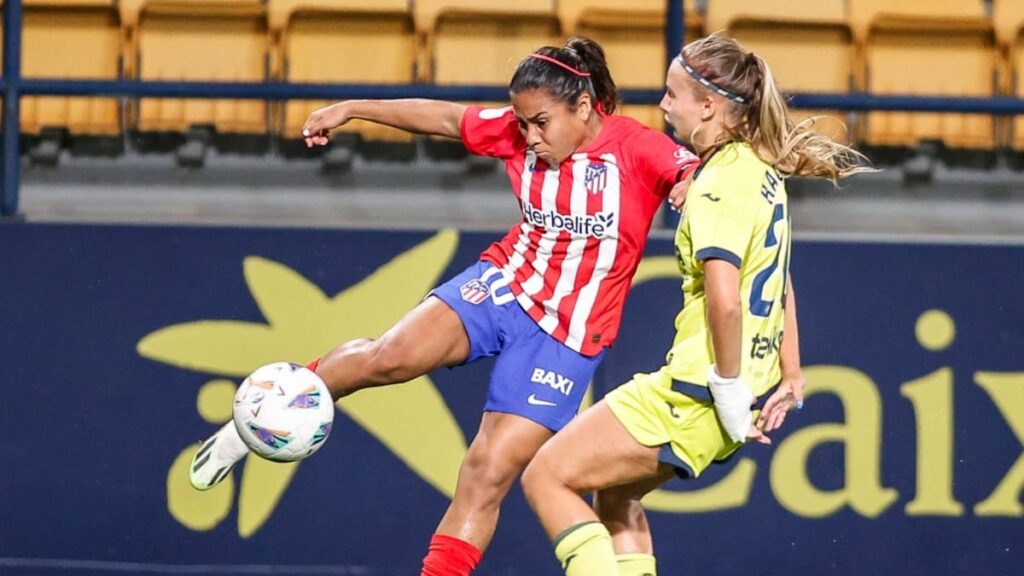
(216, 457)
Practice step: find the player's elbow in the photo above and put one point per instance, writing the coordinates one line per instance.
(725, 310)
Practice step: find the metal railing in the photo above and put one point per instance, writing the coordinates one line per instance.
(13, 86)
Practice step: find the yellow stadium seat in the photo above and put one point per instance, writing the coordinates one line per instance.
(927, 48)
(633, 37)
(1008, 16)
(785, 33)
(199, 40)
(71, 40)
(339, 41)
(481, 41)
(576, 16)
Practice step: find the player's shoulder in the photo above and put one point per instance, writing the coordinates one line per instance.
(488, 113)
(635, 141)
(735, 168)
(627, 130)
(735, 159)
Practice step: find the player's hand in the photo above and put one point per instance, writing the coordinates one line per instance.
(758, 435)
(677, 196)
(733, 400)
(318, 126)
(788, 396)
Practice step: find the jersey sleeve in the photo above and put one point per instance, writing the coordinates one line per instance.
(491, 132)
(661, 161)
(720, 224)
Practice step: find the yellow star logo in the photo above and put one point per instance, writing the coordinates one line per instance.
(411, 420)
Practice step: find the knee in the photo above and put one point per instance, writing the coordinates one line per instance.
(617, 505)
(533, 480)
(539, 477)
(487, 475)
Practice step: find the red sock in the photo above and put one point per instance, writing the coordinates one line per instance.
(312, 365)
(449, 556)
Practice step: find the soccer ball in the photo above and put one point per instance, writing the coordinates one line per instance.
(283, 412)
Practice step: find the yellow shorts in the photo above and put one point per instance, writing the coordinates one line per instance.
(678, 417)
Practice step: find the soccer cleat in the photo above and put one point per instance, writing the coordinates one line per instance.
(216, 457)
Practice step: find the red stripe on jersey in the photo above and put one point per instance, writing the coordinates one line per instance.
(523, 272)
(583, 277)
(560, 247)
(585, 273)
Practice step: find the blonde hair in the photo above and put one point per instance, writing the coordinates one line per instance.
(759, 115)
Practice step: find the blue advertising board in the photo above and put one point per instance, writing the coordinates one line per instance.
(121, 347)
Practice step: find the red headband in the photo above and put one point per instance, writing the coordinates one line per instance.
(559, 63)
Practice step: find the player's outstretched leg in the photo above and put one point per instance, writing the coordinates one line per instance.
(216, 457)
(219, 453)
(428, 337)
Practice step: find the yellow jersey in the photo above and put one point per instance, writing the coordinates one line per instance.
(736, 211)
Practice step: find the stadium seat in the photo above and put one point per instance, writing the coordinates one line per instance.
(926, 48)
(339, 41)
(199, 40)
(633, 36)
(478, 42)
(786, 33)
(71, 40)
(481, 41)
(1008, 16)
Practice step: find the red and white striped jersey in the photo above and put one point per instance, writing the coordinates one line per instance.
(571, 260)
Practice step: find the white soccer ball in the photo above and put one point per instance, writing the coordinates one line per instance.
(283, 412)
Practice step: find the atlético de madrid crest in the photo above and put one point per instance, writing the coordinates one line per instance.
(596, 178)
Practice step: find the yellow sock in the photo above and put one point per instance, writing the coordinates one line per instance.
(636, 565)
(586, 550)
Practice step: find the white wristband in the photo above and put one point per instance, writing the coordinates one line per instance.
(732, 403)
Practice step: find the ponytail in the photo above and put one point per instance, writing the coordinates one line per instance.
(760, 116)
(567, 72)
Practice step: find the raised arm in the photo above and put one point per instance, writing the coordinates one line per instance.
(417, 115)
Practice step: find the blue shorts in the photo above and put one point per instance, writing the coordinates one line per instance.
(535, 376)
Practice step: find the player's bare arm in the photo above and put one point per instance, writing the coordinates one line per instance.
(790, 393)
(725, 315)
(725, 322)
(417, 115)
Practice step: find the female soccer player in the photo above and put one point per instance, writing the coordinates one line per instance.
(733, 250)
(546, 299)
